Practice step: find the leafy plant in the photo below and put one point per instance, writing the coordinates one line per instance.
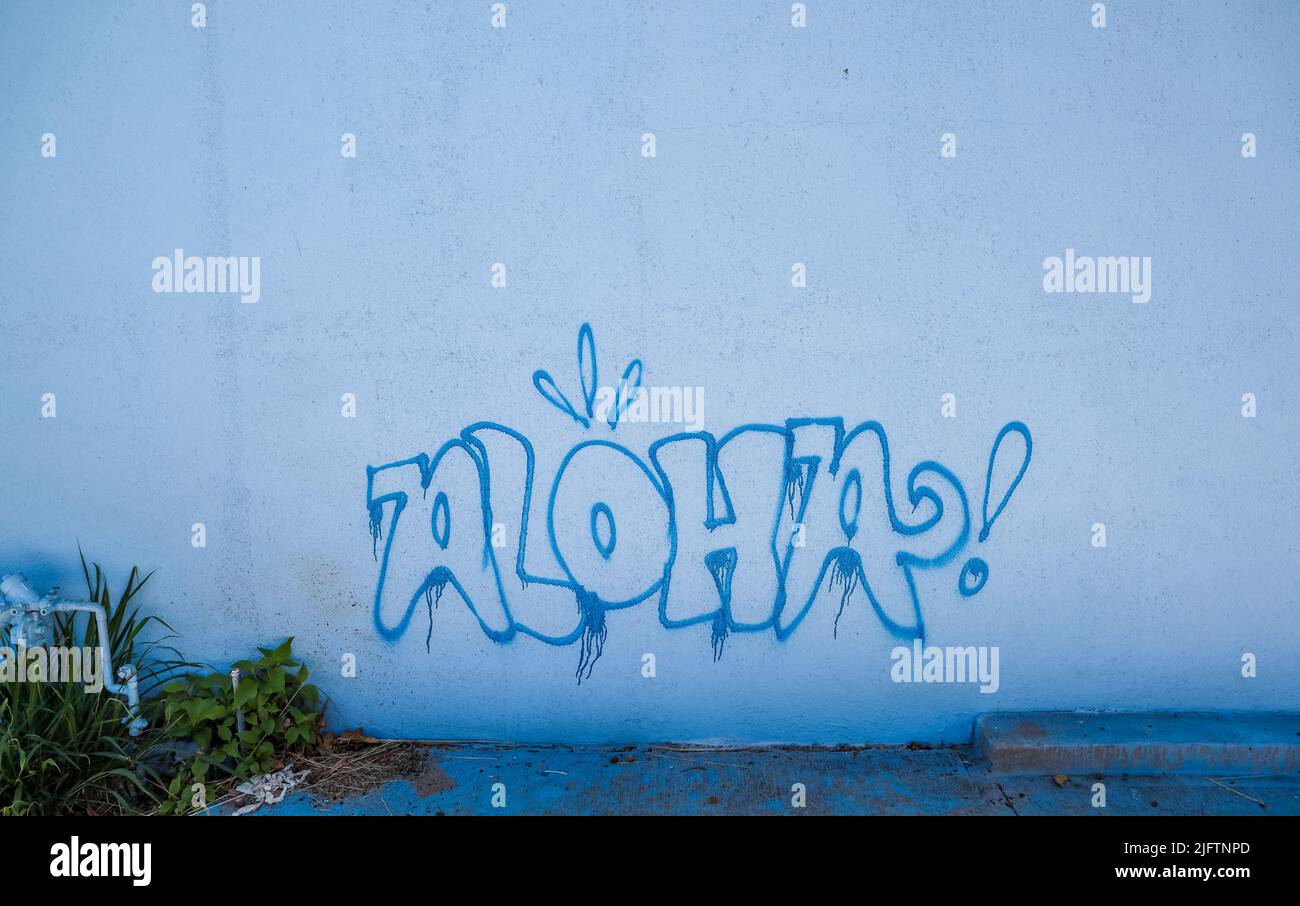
(64, 750)
(281, 711)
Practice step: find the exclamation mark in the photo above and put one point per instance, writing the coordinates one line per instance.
(976, 572)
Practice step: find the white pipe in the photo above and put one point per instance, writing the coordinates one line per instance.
(20, 600)
(129, 686)
(240, 725)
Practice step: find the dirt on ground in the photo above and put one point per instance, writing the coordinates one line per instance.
(351, 764)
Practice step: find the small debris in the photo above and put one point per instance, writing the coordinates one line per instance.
(268, 789)
(1060, 780)
(353, 766)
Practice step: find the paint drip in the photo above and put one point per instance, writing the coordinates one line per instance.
(594, 632)
(795, 478)
(721, 565)
(719, 634)
(376, 514)
(433, 590)
(844, 574)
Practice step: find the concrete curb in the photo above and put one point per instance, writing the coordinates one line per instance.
(1098, 742)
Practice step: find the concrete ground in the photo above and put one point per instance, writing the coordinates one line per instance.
(886, 780)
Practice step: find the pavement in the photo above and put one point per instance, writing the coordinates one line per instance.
(1072, 742)
(485, 779)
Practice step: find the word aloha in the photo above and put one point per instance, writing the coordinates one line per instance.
(704, 526)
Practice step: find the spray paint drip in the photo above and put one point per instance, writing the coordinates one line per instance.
(433, 590)
(721, 565)
(718, 635)
(376, 532)
(844, 575)
(796, 476)
(594, 632)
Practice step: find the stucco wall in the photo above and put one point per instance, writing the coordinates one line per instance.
(773, 146)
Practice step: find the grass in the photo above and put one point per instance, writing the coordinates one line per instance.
(64, 750)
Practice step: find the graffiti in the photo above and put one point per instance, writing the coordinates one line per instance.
(739, 533)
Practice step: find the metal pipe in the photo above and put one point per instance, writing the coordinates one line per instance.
(31, 614)
(240, 724)
(129, 685)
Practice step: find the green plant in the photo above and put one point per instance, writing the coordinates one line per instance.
(64, 750)
(281, 710)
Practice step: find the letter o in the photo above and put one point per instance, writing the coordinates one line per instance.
(600, 485)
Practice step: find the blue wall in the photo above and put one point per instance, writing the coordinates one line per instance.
(774, 146)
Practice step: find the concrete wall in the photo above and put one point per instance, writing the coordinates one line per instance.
(774, 146)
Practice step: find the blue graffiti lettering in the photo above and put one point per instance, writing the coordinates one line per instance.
(741, 532)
